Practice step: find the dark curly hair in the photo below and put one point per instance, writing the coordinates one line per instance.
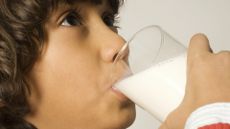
(22, 35)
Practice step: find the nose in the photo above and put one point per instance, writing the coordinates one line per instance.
(112, 47)
(110, 43)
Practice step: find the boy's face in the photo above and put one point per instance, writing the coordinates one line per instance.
(71, 84)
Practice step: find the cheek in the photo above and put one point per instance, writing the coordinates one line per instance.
(71, 69)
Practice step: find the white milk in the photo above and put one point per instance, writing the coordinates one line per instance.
(159, 89)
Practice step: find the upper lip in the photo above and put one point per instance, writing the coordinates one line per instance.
(113, 81)
(118, 75)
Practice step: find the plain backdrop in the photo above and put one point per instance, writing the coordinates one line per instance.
(181, 19)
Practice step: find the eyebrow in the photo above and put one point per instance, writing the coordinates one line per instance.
(57, 19)
(62, 8)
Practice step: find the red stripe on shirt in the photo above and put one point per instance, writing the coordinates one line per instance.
(216, 126)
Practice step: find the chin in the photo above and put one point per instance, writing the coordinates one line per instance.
(127, 118)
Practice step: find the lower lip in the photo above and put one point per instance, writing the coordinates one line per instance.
(119, 94)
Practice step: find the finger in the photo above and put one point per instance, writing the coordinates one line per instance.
(199, 45)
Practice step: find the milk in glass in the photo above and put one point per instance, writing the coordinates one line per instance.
(158, 89)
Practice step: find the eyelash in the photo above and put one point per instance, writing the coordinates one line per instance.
(74, 19)
(72, 15)
(113, 18)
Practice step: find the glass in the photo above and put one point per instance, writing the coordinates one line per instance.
(156, 71)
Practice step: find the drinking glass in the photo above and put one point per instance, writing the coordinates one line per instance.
(155, 72)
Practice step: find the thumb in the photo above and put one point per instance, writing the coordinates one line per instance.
(199, 46)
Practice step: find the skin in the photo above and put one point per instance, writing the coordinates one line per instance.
(208, 81)
(71, 82)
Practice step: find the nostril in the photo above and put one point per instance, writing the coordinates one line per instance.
(115, 57)
(121, 54)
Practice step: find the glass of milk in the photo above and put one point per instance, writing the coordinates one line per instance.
(157, 79)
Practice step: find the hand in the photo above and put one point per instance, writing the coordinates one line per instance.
(208, 81)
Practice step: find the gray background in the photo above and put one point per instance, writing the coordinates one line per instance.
(181, 19)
